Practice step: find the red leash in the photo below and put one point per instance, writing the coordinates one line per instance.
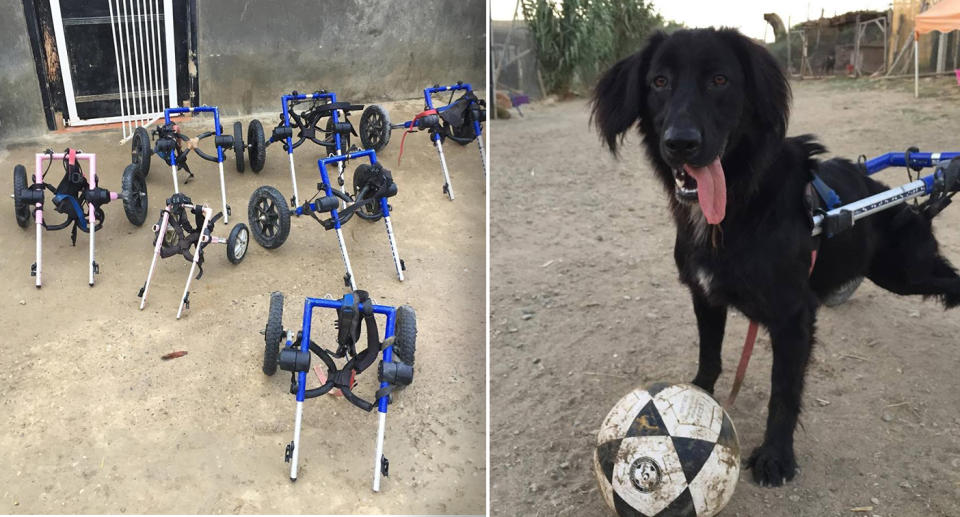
(413, 124)
(748, 349)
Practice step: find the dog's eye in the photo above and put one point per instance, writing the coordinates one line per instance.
(659, 81)
(720, 80)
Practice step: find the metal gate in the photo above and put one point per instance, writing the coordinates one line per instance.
(143, 78)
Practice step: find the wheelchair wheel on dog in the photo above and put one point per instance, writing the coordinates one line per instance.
(21, 209)
(842, 294)
(370, 211)
(269, 217)
(237, 243)
(140, 151)
(273, 333)
(238, 147)
(258, 149)
(374, 128)
(134, 187)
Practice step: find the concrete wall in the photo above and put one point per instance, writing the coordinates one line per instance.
(21, 108)
(251, 52)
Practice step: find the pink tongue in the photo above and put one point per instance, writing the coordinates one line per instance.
(711, 190)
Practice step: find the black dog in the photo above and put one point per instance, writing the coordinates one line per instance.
(712, 107)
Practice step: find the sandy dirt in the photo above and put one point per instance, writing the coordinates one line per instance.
(94, 422)
(586, 305)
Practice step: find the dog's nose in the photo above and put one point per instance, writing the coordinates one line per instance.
(682, 141)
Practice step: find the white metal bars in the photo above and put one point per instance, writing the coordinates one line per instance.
(146, 63)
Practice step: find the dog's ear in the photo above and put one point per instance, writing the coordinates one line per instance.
(620, 96)
(767, 87)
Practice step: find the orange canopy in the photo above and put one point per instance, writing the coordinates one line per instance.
(943, 17)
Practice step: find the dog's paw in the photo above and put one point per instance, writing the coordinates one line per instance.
(772, 466)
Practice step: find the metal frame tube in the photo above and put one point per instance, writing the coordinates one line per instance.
(38, 216)
(117, 56)
(196, 257)
(171, 64)
(91, 217)
(156, 254)
(385, 208)
(443, 165)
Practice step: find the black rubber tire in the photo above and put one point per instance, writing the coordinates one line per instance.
(370, 211)
(374, 128)
(273, 333)
(238, 146)
(140, 151)
(842, 294)
(21, 209)
(237, 243)
(135, 202)
(269, 217)
(405, 332)
(258, 148)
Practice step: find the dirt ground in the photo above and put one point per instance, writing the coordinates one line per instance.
(95, 422)
(586, 305)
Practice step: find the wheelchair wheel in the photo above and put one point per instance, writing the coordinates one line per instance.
(140, 151)
(273, 334)
(269, 217)
(344, 142)
(21, 209)
(370, 211)
(842, 294)
(374, 128)
(258, 149)
(237, 243)
(134, 188)
(405, 330)
(238, 147)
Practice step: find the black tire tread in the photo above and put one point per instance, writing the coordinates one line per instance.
(130, 175)
(142, 155)
(21, 209)
(384, 132)
(258, 149)
(273, 333)
(231, 241)
(284, 217)
(238, 147)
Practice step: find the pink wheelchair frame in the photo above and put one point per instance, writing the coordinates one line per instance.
(38, 211)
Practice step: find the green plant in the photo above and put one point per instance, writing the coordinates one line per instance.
(575, 40)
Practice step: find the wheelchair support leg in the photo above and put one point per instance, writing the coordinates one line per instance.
(196, 256)
(385, 208)
(443, 163)
(156, 254)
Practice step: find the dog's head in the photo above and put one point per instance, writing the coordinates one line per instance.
(712, 106)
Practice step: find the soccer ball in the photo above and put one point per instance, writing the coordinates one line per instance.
(667, 450)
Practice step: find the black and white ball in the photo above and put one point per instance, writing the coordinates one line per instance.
(667, 450)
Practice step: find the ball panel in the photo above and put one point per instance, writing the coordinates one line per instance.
(648, 423)
(623, 509)
(606, 456)
(693, 454)
(603, 479)
(621, 417)
(728, 435)
(689, 412)
(648, 475)
(682, 506)
(713, 486)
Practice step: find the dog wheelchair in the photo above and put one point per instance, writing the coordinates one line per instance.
(939, 186)
(170, 144)
(176, 235)
(78, 196)
(354, 311)
(269, 215)
(460, 120)
(336, 131)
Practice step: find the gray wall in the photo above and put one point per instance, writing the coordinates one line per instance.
(21, 108)
(252, 52)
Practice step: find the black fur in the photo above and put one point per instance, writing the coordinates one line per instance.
(758, 258)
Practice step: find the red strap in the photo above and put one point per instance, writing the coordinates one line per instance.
(413, 124)
(748, 349)
(72, 156)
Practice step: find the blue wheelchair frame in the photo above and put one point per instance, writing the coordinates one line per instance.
(477, 129)
(844, 217)
(172, 158)
(382, 402)
(285, 101)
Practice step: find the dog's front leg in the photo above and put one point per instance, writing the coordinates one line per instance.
(773, 463)
(711, 321)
